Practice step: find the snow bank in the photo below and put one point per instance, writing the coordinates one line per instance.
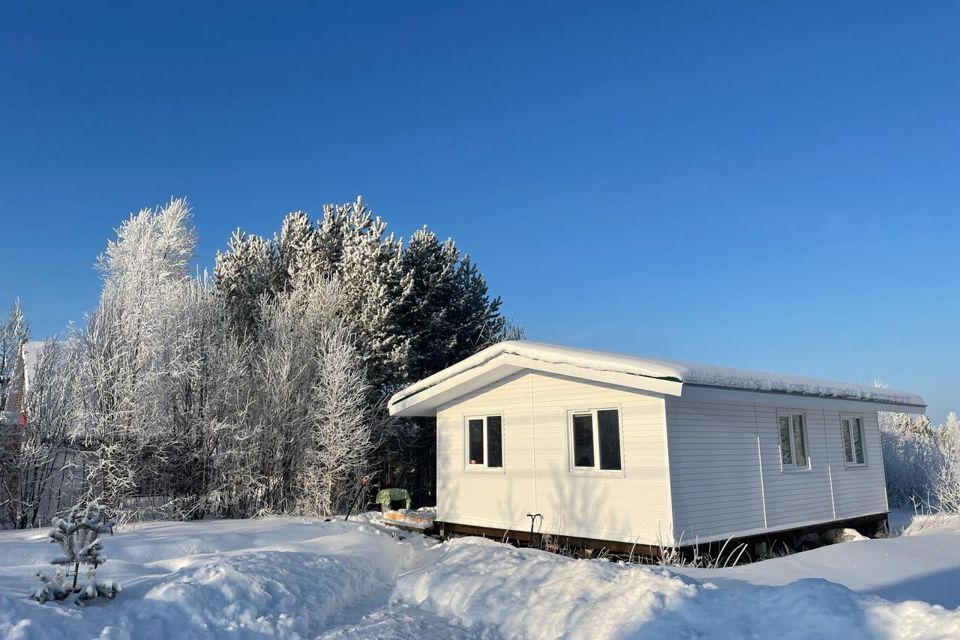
(923, 564)
(229, 579)
(269, 592)
(685, 372)
(533, 594)
(290, 578)
(933, 523)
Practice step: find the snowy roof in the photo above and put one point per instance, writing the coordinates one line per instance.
(643, 372)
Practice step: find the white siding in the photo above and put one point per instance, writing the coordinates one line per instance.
(719, 448)
(795, 497)
(858, 490)
(632, 507)
(715, 469)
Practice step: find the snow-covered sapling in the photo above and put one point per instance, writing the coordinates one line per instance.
(79, 537)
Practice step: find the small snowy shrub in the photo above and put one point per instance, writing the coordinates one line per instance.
(79, 537)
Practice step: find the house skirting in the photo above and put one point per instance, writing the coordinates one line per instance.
(869, 525)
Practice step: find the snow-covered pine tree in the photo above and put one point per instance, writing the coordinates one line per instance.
(372, 273)
(79, 538)
(15, 333)
(445, 305)
(298, 247)
(249, 270)
(477, 317)
(414, 309)
(447, 315)
(426, 306)
(410, 311)
(332, 231)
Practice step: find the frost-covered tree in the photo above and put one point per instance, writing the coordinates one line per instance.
(911, 458)
(249, 270)
(414, 309)
(308, 420)
(236, 399)
(341, 421)
(512, 330)
(948, 435)
(132, 350)
(79, 538)
(947, 485)
(205, 399)
(285, 370)
(14, 334)
(298, 247)
(44, 465)
(257, 391)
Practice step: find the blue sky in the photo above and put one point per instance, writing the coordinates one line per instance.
(771, 185)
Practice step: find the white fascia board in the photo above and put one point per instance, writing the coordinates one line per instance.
(792, 400)
(426, 402)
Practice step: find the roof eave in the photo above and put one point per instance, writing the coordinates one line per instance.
(692, 391)
(425, 402)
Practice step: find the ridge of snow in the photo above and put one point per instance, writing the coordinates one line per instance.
(684, 372)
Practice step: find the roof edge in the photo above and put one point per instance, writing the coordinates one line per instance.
(661, 376)
(516, 349)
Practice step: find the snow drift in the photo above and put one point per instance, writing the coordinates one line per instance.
(289, 578)
(524, 593)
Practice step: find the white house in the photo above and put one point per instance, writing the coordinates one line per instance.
(638, 451)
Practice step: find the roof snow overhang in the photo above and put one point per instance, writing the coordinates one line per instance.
(664, 377)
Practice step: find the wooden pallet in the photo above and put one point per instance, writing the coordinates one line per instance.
(410, 520)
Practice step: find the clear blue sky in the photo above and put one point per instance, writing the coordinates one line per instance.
(768, 185)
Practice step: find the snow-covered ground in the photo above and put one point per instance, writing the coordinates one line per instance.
(292, 578)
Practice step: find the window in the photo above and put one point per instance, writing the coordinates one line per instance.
(595, 440)
(793, 440)
(852, 428)
(485, 442)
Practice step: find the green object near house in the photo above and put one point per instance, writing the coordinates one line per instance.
(386, 496)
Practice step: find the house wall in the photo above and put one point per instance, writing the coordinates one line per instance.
(631, 507)
(726, 476)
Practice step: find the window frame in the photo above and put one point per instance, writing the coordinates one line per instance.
(483, 468)
(595, 470)
(853, 450)
(793, 467)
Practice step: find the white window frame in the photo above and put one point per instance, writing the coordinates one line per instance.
(794, 467)
(595, 470)
(483, 468)
(863, 440)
